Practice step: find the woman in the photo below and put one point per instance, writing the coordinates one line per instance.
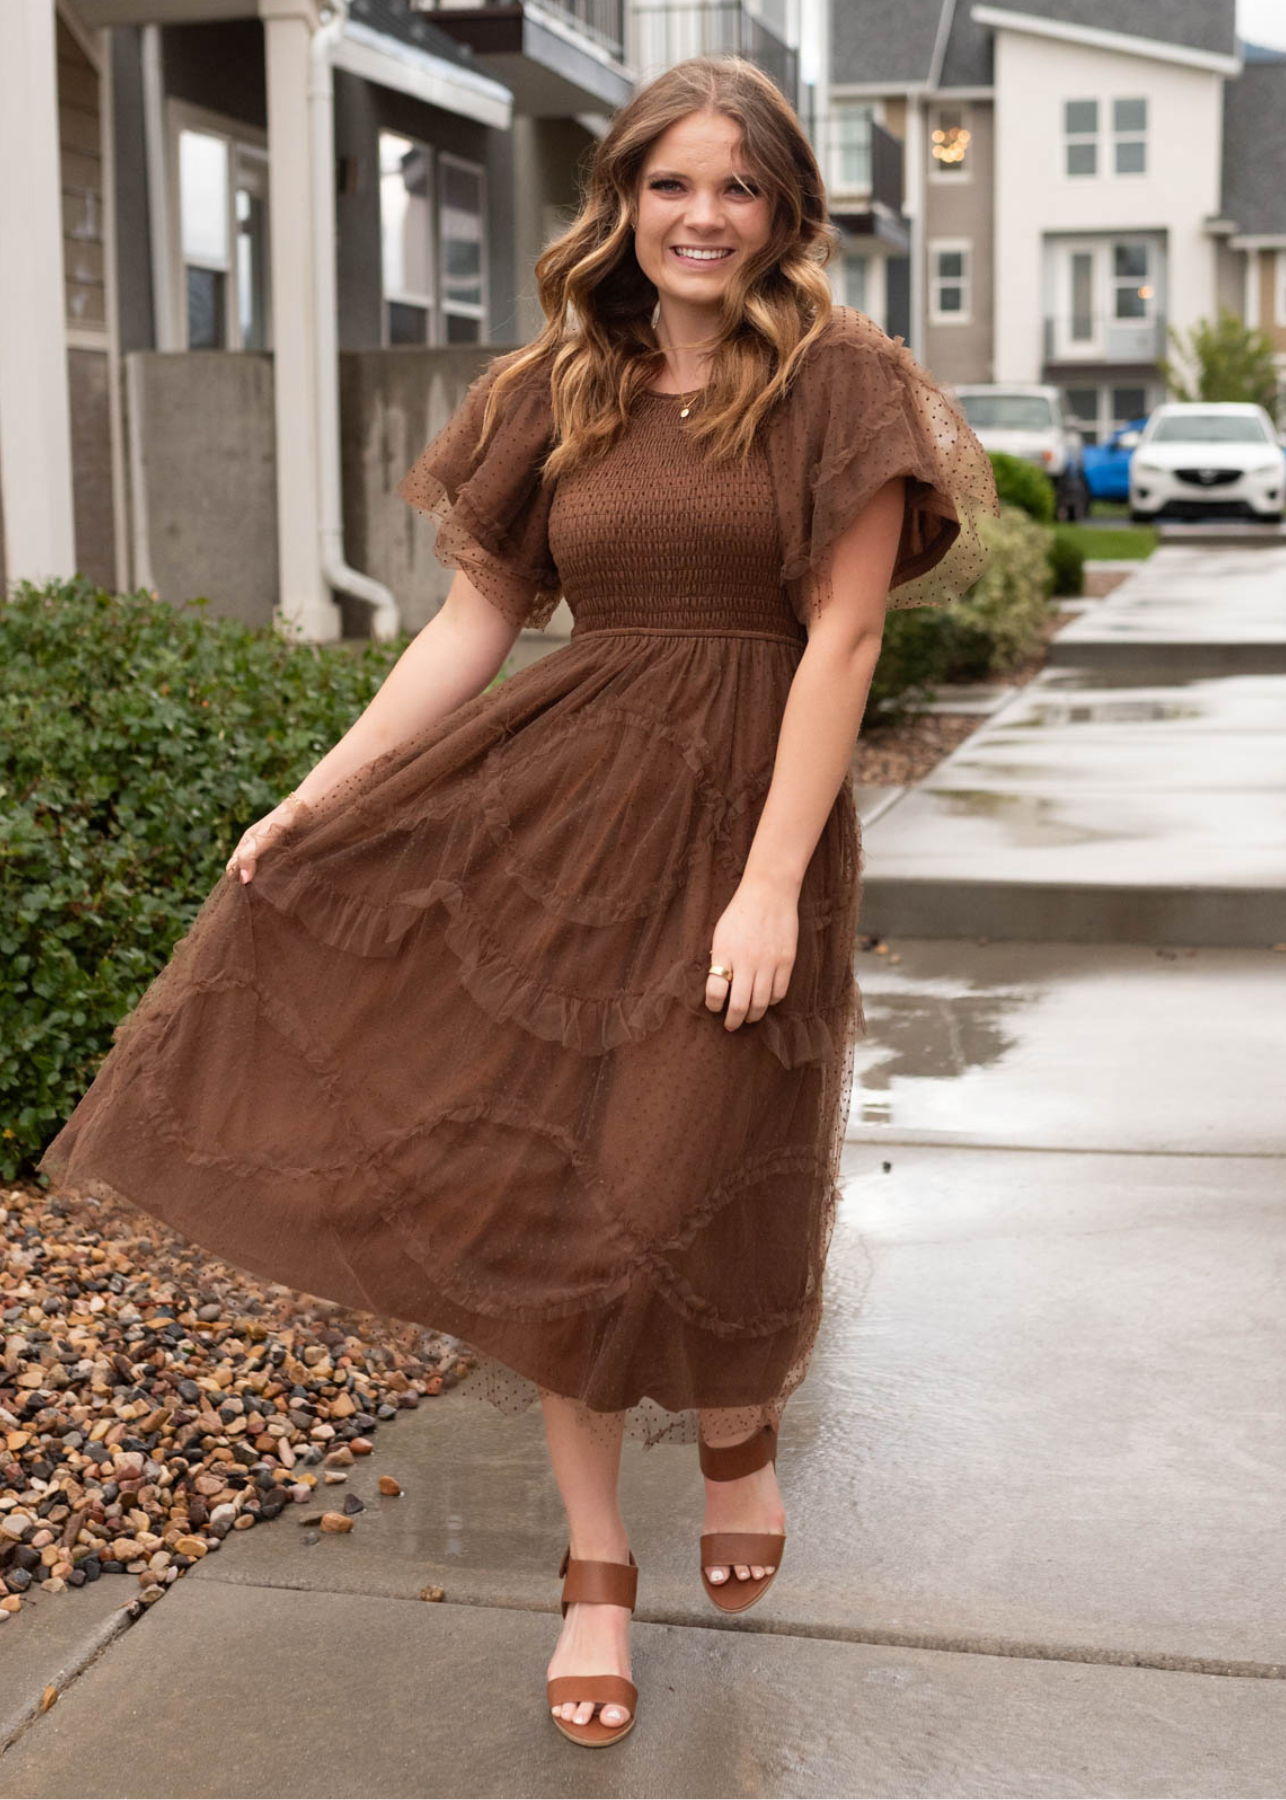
(530, 1014)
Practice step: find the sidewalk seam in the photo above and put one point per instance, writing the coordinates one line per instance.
(15, 1723)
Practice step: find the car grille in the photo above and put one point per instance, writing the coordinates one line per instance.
(1209, 478)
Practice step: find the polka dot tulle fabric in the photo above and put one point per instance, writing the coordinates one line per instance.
(447, 1057)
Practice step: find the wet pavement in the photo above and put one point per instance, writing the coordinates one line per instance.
(1118, 798)
(1035, 1478)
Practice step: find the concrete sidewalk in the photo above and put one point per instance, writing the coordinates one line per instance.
(1135, 792)
(1035, 1479)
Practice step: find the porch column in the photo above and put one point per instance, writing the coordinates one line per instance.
(35, 412)
(305, 601)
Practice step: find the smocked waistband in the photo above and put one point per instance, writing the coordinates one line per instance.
(580, 630)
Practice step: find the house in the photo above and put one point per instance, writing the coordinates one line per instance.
(1078, 176)
(255, 249)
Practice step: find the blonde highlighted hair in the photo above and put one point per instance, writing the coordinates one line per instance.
(598, 342)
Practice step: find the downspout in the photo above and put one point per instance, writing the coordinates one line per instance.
(387, 619)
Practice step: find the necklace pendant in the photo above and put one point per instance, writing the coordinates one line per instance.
(684, 411)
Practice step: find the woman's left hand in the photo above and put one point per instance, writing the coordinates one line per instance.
(756, 937)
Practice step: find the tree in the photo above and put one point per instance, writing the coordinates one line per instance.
(1228, 360)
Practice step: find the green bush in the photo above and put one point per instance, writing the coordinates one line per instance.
(137, 741)
(990, 630)
(1067, 561)
(1022, 484)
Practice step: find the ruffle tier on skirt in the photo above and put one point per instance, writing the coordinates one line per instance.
(447, 1057)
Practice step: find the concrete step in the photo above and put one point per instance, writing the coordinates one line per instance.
(1097, 813)
(1217, 609)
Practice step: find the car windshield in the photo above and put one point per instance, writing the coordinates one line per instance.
(1210, 428)
(1007, 412)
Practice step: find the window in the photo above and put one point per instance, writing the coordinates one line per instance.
(1132, 290)
(1128, 403)
(406, 240)
(433, 244)
(949, 138)
(1279, 285)
(949, 302)
(222, 205)
(1129, 136)
(851, 170)
(1080, 135)
(1082, 409)
(462, 212)
(857, 269)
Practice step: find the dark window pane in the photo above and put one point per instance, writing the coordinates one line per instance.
(951, 300)
(1082, 159)
(1080, 116)
(462, 330)
(1132, 157)
(1130, 115)
(1131, 260)
(1130, 304)
(407, 324)
(205, 309)
(1129, 403)
(1082, 404)
(951, 264)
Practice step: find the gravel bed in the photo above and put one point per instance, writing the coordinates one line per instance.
(154, 1399)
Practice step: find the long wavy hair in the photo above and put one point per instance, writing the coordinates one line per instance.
(598, 343)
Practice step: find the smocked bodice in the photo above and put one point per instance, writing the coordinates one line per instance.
(655, 535)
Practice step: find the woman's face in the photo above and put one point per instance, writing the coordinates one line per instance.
(697, 194)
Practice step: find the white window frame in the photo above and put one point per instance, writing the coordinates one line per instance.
(847, 111)
(407, 297)
(1094, 137)
(460, 309)
(964, 281)
(182, 116)
(1130, 137)
(950, 174)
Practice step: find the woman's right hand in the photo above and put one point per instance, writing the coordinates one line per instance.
(258, 837)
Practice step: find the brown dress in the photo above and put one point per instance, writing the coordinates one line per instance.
(447, 1057)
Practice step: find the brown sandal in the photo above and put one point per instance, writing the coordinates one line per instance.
(603, 1584)
(726, 1548)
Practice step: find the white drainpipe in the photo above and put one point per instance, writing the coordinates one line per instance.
(387, 621)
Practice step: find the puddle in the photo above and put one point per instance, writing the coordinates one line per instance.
(928, 1037)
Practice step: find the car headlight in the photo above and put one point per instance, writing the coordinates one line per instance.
(1267, 468)
(1147, 468)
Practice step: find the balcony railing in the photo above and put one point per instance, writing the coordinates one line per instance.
(665, 32)
(1103, 338)
(603, 21)
(862, 163)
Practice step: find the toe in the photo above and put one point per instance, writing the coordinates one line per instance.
(743, 1573)
(614, 1715)
(756, 1571)
(717, 1574)
(584, 1712)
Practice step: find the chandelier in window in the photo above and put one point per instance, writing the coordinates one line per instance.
(950, 143)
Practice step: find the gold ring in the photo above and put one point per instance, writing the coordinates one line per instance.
(724, 974)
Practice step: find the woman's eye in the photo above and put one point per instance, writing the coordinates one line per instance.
(743, 188)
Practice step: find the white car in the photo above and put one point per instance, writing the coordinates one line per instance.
(1026, 419)
(1201, 459)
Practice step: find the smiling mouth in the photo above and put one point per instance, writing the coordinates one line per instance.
(698, 258)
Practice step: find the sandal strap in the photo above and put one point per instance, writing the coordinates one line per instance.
(729, 1462)
(599, 1583)
(603, 1690)
(723, 1549)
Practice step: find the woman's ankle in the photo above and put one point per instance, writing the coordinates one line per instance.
(599, 1540)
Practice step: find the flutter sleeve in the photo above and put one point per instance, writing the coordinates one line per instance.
(860, 411)
(491, 506)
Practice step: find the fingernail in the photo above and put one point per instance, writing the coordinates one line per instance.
(245, 875)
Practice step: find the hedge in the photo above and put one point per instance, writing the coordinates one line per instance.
(992, 629)
(138, 739)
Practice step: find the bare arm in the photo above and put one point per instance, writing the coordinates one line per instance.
(450, 661)
(757, 934)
